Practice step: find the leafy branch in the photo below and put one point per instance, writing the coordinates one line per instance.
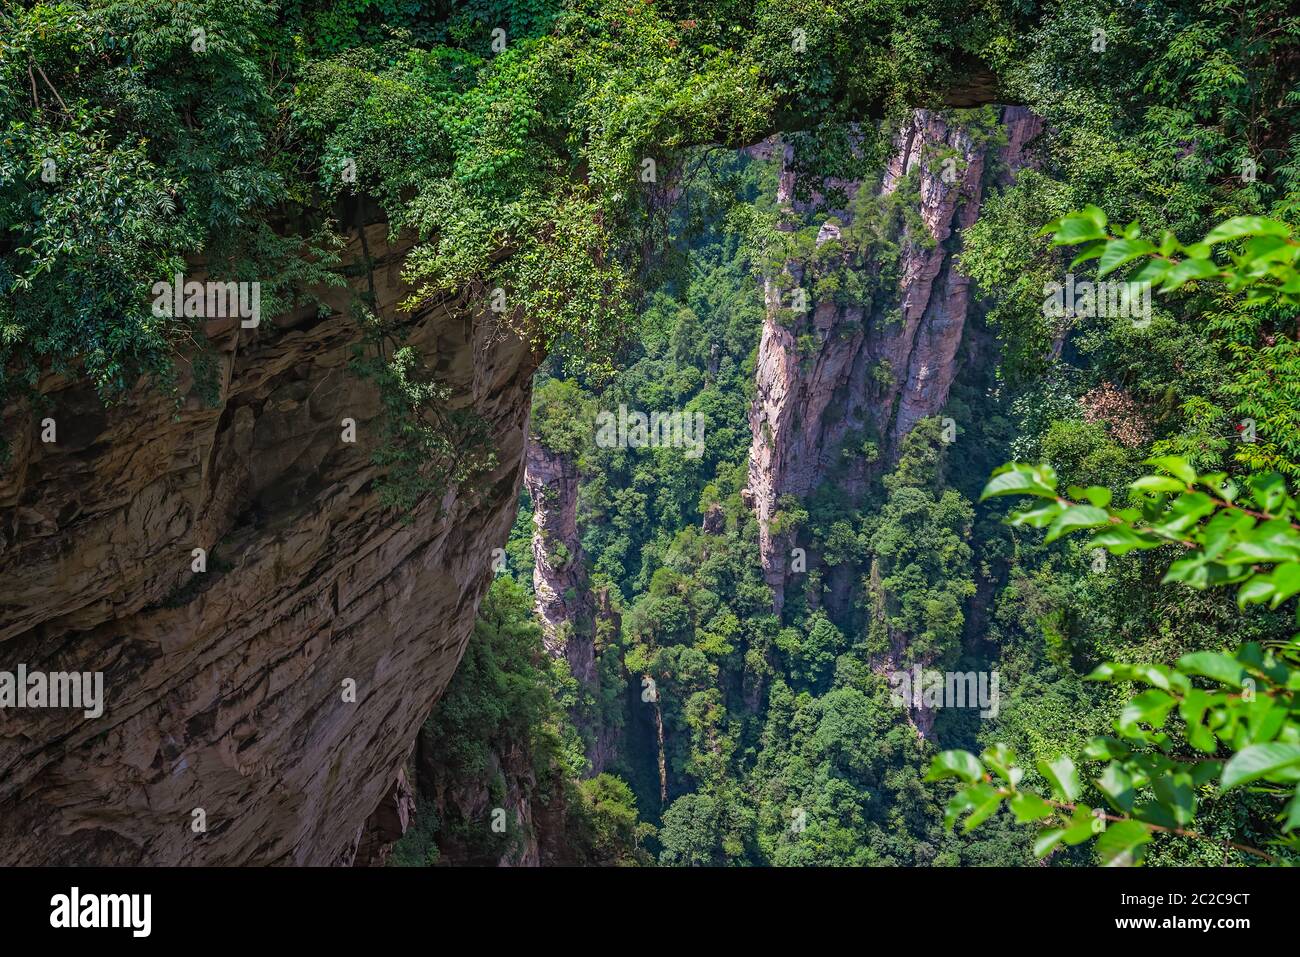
(1265, 264)
(426, 446)
(1237, 723)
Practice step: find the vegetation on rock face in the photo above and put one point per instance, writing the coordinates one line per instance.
(782, 743)
(531, 148)
(511, 137)
(499, 740)
(565, 173)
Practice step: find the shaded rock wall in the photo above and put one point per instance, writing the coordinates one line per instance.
(386, 824)
(532, 812)
(225, 690)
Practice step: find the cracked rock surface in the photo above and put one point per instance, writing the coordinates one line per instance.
(226, 689)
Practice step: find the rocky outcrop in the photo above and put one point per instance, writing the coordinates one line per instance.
(605, 734)
(1022, 126)
(563, 596)
(839, 387)
(501, 817)
(386, 824)
(715, 520)
(257, 712)
(573, 618)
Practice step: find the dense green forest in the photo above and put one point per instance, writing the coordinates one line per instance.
(782, 744)
(586, 171)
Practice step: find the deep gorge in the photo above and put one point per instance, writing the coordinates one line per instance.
(368, 576)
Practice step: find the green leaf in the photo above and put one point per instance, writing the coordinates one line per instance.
(1213, 664)
(1063, 778)
(1083, 825)
(1029, 807)
(1273, 541)
(1039, 517)
(1258, 761)
(1186, 510)
(1074, 231)
(1150, 707)
(1152, 271)
(1120, 540)
(1018, 479)
(985, 800)
(1117, 785)
(1175, 793)
(1175, 466)
(1085, 225)
(1292, 812)
(1105, 749)
(1098, 495)
(1000, 758)
(1223, 530)
(958, 805)
(1187, 271)
(1285, 582)
(1192, 571)
(1268, 490)
(1089, 252)
(1120, 844)
(955, 764)
(1156, 675)
(1121, 251)
(1192, 708)
(1093, 214)
(1158, 483)
(1047, 839)
(1255, 590)
(1203, 772)
(1075, 517)
(1240, 226)
(1154, 813)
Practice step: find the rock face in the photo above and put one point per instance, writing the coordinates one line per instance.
(560, 583)
(572, 616)
(534, 816)
(388, 822)
(874, 369)
(227, 690)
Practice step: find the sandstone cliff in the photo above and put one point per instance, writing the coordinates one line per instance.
(571, 615)
(226, 691)
(876, 369)
(564, 602)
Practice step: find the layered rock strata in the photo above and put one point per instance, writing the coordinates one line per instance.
(257, 712)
